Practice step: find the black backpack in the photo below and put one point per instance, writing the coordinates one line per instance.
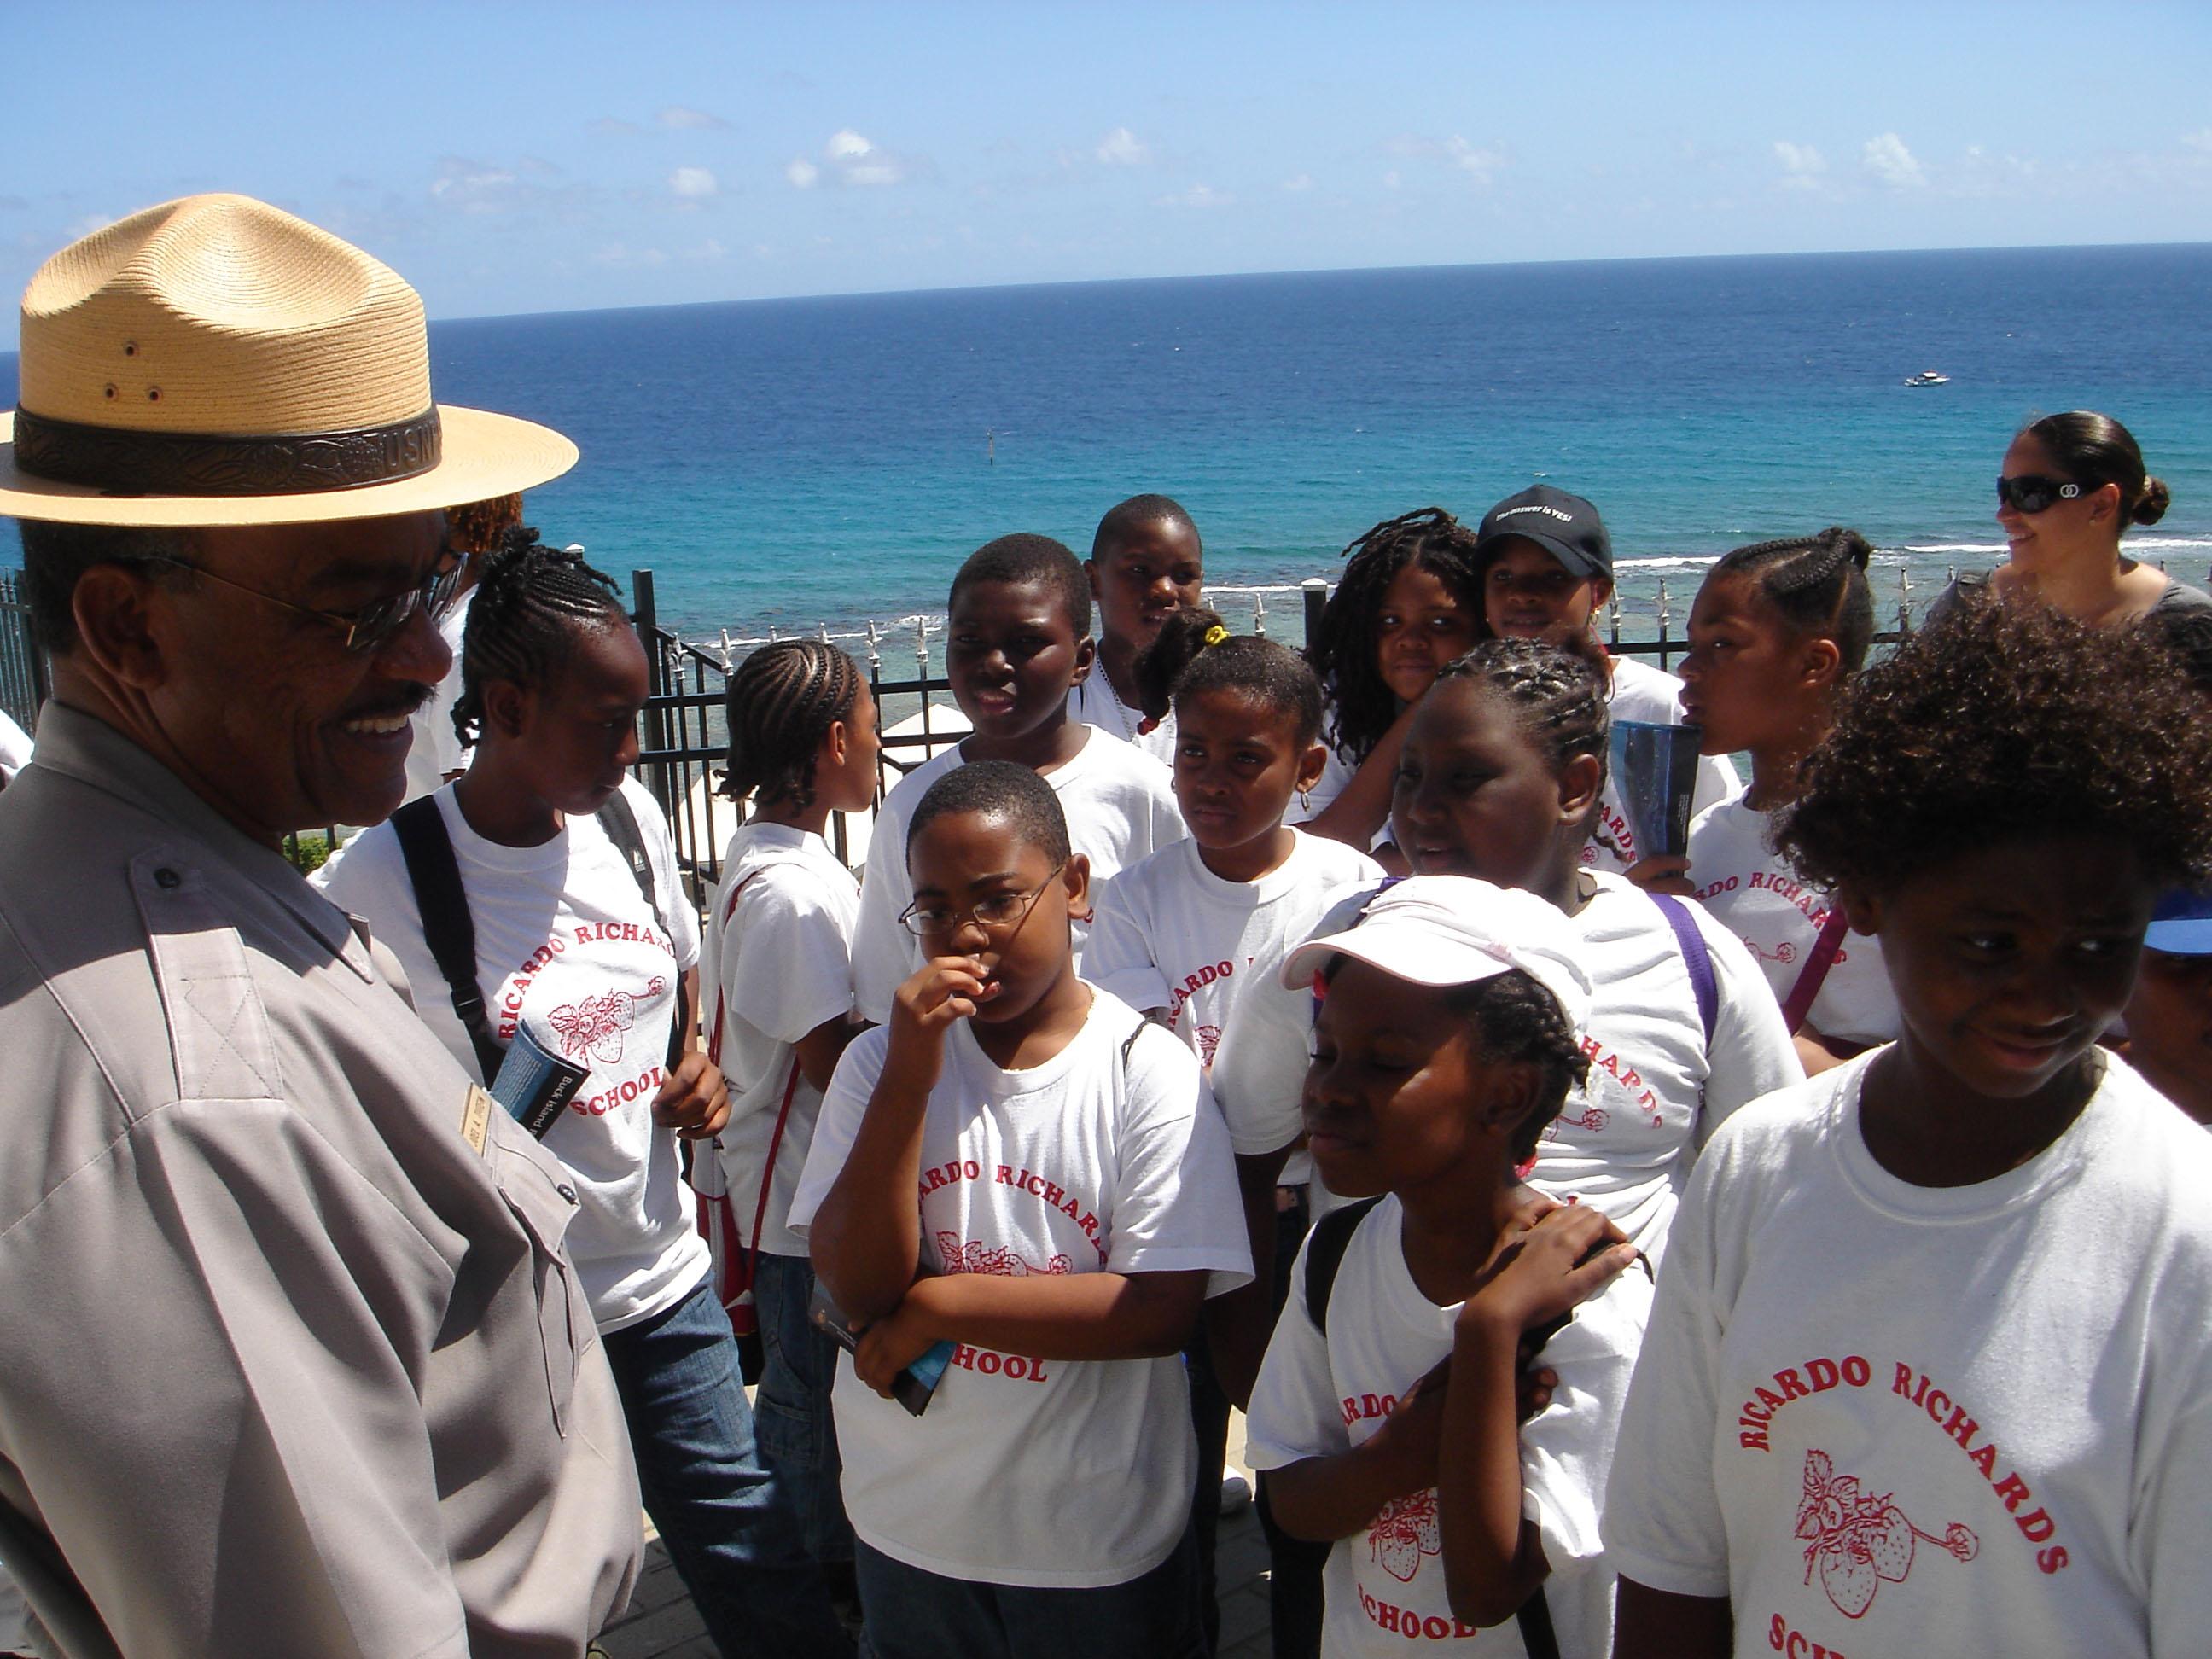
(1325, 1247)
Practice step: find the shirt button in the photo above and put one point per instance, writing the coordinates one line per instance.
(168, 879)
(567, 1192)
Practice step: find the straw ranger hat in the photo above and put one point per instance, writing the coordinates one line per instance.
(214, 360)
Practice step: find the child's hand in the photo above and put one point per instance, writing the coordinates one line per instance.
(943, 989)
(1663, 873)
(1412, 1435)
(694, 1100)
(1568, 1256)
(889, 1346)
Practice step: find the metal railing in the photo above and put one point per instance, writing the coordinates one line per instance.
(685, 736)
(23, 678)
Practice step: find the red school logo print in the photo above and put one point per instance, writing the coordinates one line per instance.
(974, 1256)
(1404, 1531)
(1858, 1539)
(594, 1026)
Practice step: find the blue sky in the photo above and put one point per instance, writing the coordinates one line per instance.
(510, 158)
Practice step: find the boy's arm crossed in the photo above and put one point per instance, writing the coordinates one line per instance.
(1105, 1315)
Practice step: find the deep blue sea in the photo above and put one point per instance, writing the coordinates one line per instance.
(796, 463)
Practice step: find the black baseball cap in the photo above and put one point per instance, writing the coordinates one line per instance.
(1566, 526)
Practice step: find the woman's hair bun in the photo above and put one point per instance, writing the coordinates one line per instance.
(2155, 499)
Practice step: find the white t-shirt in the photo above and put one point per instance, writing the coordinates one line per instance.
(437, 749)
(1094, 702)
(1892, 1418)
(1119, 804)
(1641, 692)
(15, 749)
(1319, 1395)
(778, 964)
(566, 943)
(1106, 1158)
(1625, 1140)
(1751, 890)
(1169, 933)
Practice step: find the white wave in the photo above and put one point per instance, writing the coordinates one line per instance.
(1685, 563)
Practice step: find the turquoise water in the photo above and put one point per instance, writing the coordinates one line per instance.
(803, 463)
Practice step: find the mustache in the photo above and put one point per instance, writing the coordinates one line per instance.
(403, 699)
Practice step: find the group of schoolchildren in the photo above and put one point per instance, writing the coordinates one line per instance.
(1217, 1025)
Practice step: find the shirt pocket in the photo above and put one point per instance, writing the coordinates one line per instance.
(544, 1201)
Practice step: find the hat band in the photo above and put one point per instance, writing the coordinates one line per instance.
(119, 461)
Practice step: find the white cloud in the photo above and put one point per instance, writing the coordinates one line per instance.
(1799, 160)
(1391, 179)
(1887, 159)
(802, 172)
(2200, 139)
(1122, 148)
(1482, 163)
(611, 126)
(89, 223)
(473, 186)
(1298, 181)
(1198, 196)
(690, 121)
(857, 160)
(693, 183)
(846, 145)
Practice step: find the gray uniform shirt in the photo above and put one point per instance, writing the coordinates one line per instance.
(291, 1361)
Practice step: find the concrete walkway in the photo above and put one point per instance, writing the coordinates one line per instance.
(661, 1623)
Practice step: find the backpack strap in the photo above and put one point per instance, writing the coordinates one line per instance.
(1814, 973)
(1696, 956)
(1325, 1248)
(1534, 1616)
(448, 927)
(620, 823)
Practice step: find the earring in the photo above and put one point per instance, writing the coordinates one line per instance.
(1305, 801)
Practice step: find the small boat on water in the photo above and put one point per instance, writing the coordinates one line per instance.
(1928, 377)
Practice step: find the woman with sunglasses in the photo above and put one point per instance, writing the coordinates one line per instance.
(2072, 483)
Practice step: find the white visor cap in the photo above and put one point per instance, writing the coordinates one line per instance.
(1454, 930)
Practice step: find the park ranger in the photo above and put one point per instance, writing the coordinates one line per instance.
(291, 1360)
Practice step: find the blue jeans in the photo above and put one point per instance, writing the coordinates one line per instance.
(732, 1534)
(914, 1614)
(791, 1408)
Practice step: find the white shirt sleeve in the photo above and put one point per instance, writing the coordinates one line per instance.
(2167, 1523)
(1662, 1520)
(883, 950)
(1750, 1053)
(843, 1105)
(783, 962)
(1294, 1414)
(1175, 1206)
(1117, 956)
(1260, 1067)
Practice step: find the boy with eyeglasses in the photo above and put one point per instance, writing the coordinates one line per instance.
(1019, 1164)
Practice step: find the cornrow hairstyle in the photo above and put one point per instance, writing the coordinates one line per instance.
(1026, 558)
(1004, 790)
(1999, 721)
(1558, 692)
(529, 602)
(1816, 584)
(1519, 1021)
(1272, 676)
(782, 701)
(1122, 520)
(1342, 650)
(2093, 450)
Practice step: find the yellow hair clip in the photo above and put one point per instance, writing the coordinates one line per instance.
(1215, 634)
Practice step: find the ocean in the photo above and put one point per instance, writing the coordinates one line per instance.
(796, 465)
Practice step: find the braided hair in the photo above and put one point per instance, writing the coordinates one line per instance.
(529, 601)
(1558, 692)
(1816, 584)
(782, 700)
(1196, 653)
(1342, 650)
(1521, 1021)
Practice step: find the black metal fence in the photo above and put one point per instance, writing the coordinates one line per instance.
(685, 736)
(23, 681)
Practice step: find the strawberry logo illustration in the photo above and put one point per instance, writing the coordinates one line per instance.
(594, 1026)
(1783, 952)
(1859, 1539)
(1404, 1531)
(1209, 1039)
(973, 1256)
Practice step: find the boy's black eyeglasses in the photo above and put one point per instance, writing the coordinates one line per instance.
(1000, 910)
(2031, 493)
(373, 623)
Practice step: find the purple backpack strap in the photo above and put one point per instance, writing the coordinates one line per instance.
(1696, 956)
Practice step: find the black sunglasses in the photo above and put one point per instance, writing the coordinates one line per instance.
(2031, 493)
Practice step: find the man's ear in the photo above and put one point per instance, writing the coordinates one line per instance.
(1311, 765)
(1580, 781)
(124, 622)
(1075, 876)
(1086, 652)
(507, 708)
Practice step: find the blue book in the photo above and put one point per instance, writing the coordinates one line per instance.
(534, 1084)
